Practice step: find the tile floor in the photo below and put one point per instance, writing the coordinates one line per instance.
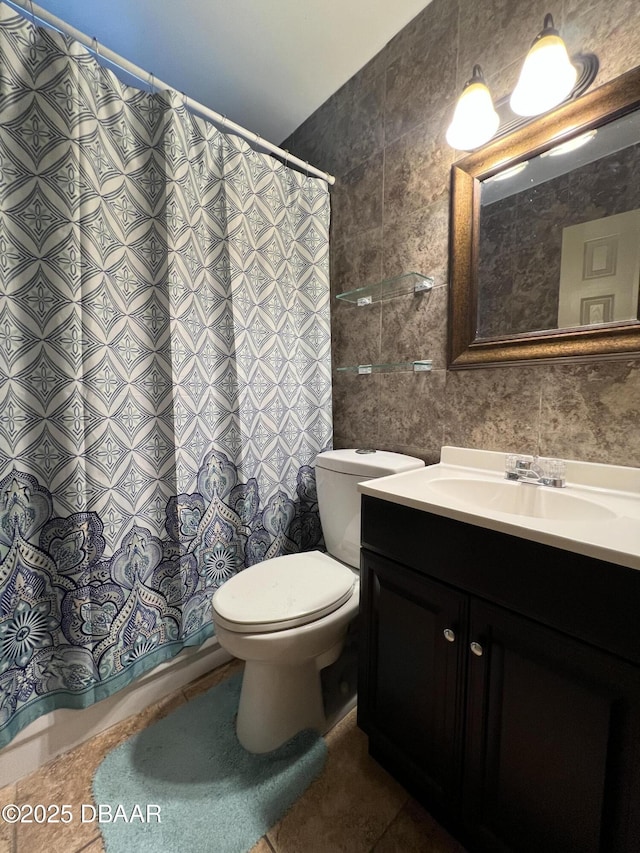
(353, 807)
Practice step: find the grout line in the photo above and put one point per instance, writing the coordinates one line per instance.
(389, 824)
(88, 844)
(268, 843)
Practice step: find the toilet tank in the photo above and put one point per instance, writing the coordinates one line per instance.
(338, 473)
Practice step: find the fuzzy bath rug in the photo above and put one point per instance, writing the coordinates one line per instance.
(186, 784)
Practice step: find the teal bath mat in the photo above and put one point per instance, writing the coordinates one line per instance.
(195, 788)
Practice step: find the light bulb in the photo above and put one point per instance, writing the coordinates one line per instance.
(474, 119)
(547, 76)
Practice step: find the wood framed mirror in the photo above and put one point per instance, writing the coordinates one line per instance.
(544, 246)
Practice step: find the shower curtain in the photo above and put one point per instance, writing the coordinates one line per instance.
(164, 366)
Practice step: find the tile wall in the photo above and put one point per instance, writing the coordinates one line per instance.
(382, 135)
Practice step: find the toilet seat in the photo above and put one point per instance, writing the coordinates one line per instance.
(283, 592)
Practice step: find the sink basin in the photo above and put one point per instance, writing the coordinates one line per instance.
(597, 514)
(521, 499)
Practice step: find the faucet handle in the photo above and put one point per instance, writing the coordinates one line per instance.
(511, 466)
(556, 472)
(515, 465)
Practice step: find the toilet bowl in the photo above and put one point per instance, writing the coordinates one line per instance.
(281, 692)
(287, 617)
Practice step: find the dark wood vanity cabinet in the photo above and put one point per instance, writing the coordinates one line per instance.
(520, 736)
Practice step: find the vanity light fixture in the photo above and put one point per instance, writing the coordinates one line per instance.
(548, 77)
(475, 120)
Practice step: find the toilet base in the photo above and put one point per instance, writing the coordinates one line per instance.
(277, 702)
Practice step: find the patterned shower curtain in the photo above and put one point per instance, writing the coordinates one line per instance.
(164, 368)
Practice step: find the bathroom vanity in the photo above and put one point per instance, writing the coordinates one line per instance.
(500, 667)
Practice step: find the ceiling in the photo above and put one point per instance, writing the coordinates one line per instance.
(265, 64)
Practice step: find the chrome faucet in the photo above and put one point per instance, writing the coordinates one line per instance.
(535, 470)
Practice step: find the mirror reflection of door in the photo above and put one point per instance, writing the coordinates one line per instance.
(600, 271)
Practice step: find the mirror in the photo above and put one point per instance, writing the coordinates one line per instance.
(545, 236)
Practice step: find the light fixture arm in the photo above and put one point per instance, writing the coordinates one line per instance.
(548, 28)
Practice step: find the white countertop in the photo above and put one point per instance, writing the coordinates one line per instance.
(614, 538)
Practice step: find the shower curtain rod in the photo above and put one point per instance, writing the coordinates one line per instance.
(92, 44)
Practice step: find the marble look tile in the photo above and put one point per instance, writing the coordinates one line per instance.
(542, 212)
(496, 33)
(356, 404)
(417, 167)
(341, 442)
(535, 294)
(412, 410)
(356, 261)
(7, 830)
(609, 186)
(590, 412)
(416, 32)
(364, 81)
(610, 30)
(503, 81)
(358, 131)
(494, 408)
(421, 82)
(67, 780)
(348, 128)
(414, 327)
(355, 334)
(315, 141)
(348, 808)
(356, 199)
(415, 831)
(418, 242)
(430, 456)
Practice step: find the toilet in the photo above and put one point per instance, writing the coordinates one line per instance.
(287, 617)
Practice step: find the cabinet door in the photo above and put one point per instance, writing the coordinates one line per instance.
(552, 759)
(410, 688)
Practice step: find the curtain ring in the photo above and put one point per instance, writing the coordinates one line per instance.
(33, 14)
(95, 47)
(152, 82)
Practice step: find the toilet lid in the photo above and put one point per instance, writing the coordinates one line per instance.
(283, 592)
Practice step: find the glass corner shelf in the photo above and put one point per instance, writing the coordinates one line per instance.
(404, 366)
(411, 282)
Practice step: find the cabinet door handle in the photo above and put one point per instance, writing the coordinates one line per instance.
(449, 635)
(477, 649)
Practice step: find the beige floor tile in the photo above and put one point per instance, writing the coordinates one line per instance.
(210, 679)
(348, 808)
(354, 807)
(67, 780)
(7, 830)
(415, 831)
(262, 846)
(96, 846)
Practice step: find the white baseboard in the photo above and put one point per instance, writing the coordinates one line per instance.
(61, 730)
